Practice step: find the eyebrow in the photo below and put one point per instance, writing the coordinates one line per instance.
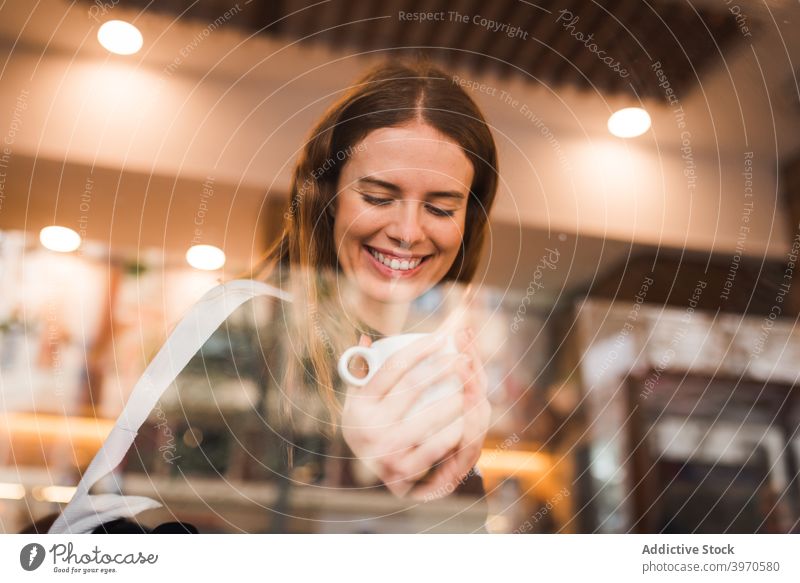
(394, 189)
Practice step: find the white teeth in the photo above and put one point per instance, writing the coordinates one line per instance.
(396, 264)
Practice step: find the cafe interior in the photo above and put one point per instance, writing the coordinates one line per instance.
(638, 275)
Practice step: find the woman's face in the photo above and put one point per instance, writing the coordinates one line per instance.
(400, 211)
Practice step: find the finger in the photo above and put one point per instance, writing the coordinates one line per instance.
(420, 460)
(443, 482)
(395, 405)
(458, 317)
(480, 370)
(401, 362)
(476, 426)
(464, 339)
(400, 435)
(475, 379)
(399, 487)
(422, 425)
(425, 376)
(477, 409)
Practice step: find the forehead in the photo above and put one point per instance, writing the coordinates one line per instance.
(414, 152)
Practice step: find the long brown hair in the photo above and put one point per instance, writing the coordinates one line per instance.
(389, 95)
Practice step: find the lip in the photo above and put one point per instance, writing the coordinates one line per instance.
(393, 254)
(388, 271)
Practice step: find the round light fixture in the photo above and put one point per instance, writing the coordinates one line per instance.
(120, 37)
(629, 122)
(61, 239)
(206, 257)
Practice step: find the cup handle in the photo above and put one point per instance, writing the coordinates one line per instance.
(344, 365)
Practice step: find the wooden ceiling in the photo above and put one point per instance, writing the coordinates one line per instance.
(756, 282)
(686, 39)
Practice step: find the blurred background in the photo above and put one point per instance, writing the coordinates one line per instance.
(639, 277)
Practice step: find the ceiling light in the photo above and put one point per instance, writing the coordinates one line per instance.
(206, 257)
(60, 239)
(61, 494)
(629, 122)
(12, 491)
(120, 37)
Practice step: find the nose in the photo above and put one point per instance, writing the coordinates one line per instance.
(406, 228)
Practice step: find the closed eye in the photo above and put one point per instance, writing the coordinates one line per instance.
(375, 200)
(435, 210)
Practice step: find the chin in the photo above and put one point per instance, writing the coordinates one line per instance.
(389, 292)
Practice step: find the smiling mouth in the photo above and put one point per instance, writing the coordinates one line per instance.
(396, 264)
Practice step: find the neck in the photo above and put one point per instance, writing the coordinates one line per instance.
(384, 317)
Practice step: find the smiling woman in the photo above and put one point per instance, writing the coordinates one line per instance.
(392, 192)
(400, 213)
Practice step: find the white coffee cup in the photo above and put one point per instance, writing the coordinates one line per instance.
(380, 351)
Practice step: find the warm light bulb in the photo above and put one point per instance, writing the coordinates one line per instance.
(59, 239)
(11, 491)
(206, 257)
(629, 122)
(62, 494)
(120, 37)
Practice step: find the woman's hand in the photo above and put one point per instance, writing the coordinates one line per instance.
(477, 411)
(397, 449)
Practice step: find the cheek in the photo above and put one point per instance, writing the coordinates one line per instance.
(351, 228)
(343, 240)
(347, 223)
(449, 237)
(357, 228)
